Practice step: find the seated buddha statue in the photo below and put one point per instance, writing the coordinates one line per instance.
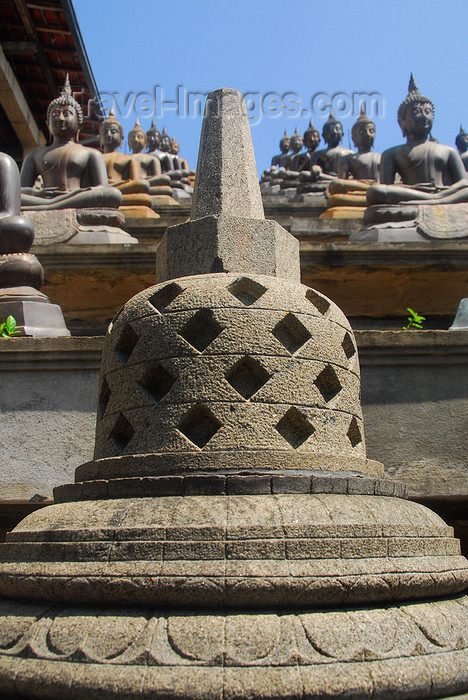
(150, 165)
(304, 161)
(289, 174)
(21, 273)
(270, 180)
(16, 231)
(461, 143)
(176, 167)
(357, 171)
(73, 176)
(285, 146)
(325, 162)
(431, 173)
(330, 158)
(123, 171)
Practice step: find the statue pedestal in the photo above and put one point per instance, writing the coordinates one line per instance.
(163, 200)
(344, 213)
(21, 276)
(79, 227)
(35, 316)
(423, 222)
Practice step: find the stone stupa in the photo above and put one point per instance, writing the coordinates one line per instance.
(230, 539)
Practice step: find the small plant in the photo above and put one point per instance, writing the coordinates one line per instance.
(414, 320)
(7, 328)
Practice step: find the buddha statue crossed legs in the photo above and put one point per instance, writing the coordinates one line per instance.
(123, 171)
(357, 171)
(404, 211)
(74, 176)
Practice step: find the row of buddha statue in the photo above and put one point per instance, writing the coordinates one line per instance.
(366, 183)
(74, 176)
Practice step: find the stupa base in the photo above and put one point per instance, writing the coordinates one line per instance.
(410, 650)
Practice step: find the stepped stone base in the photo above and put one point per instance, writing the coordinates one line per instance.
(412, 650)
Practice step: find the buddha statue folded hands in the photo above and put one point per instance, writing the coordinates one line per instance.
(74, 180)
(123, 171)
(292, 167)
(406, 211)
(357, 171)
(324, 164)
(73, 175)
(150, 167)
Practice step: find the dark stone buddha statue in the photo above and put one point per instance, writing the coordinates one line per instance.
(431, 174)
(311, 139)
(21, 274)
(296, 147)
(357, 171)
(153, 138)
(365, 164)
(330, 158)
(285, 146)
(73, 176)
(16, 232)
(461, 143)
(423, 165)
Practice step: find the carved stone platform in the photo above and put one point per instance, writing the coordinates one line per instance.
(79, 227)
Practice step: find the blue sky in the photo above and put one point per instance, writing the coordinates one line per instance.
(302, 49)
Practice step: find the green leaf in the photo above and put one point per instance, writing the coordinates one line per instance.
(10, 325)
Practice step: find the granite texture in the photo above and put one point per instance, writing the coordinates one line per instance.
(410, 650)
(79, 227)
(256, 550)
(227, 231)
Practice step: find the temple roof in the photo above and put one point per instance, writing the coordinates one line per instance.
(40, 43)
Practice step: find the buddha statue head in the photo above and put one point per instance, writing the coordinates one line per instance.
(64, 114)
(332, 131)
(311, 137)
(461, 141)
(111, 133)
(297, 142)
(165, 141)
(363, 132)
(137, 138)
(285, 143)
(416, 113)
(153, 137)
(174, 147)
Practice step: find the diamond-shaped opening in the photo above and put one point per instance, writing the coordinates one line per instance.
(201, 330)
(321, 304)
(121, 433)
(247, 376)
(246, 290)
(104, 396)
(199, 425)
(126, 344)
(291, 333)
(156, 382)
(348, 346)
(328, 383)
(354, 434)
(163, 297)
(294, 427)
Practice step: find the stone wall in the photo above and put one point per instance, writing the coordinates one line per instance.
(414, 396)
